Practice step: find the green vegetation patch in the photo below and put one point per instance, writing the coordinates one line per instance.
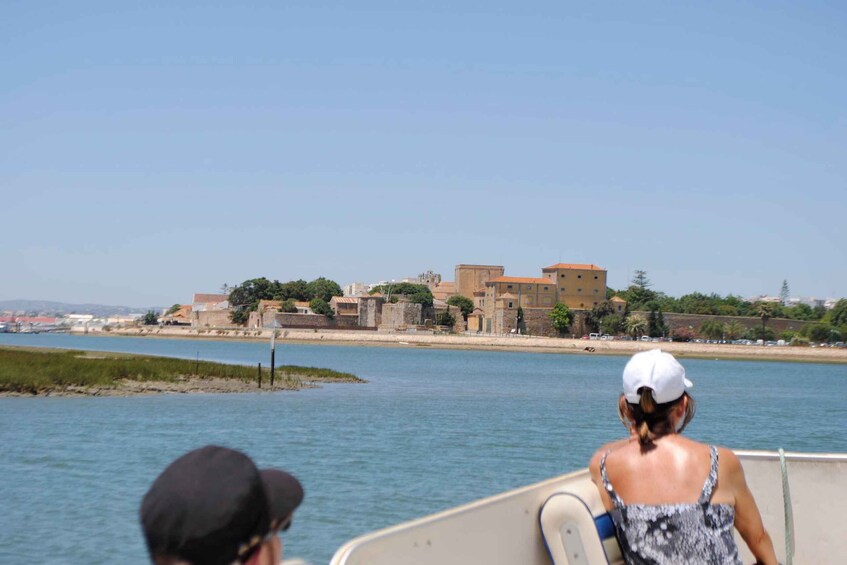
(28, 371)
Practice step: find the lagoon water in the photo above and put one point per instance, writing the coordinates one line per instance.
(431, 429)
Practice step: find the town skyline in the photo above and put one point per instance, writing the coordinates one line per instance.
(67, 305)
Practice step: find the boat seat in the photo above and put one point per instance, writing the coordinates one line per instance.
(574, 536)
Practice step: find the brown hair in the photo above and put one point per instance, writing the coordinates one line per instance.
(649, 419)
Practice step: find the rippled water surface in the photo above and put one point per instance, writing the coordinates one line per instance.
(431, 429)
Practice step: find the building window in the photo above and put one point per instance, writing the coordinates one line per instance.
(596, 291)
(561, 276)
(563, 289)
(529, 287)
(579, 290)
(579, 276)
(510, 304)
(509, 287)
(596, 277)
(545, 288)
(595, 304)
(581, 305)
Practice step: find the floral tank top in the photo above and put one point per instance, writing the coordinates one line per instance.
(675, 534)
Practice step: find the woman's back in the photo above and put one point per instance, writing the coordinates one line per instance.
(672, 471)
(665, 527)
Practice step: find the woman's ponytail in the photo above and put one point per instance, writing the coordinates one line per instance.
(648, 406)
(647, 419)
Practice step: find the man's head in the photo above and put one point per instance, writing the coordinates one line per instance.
(211, 506)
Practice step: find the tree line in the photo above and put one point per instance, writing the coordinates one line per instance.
(244, 298)
(830, 325)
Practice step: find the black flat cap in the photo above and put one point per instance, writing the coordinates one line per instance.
(284, 492)
(209, 506)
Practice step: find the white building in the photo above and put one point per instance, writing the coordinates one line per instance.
(356, 289)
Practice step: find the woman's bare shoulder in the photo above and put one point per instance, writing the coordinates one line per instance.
(728, 459)
(594, 464)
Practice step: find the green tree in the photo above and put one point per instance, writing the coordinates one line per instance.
(247, 294)
(838, 315)
(764, 310)
(765, 334)
(173, 309)
(784, 293)
(818, 332)
(417, 293)
(288, 306)
(321, 306)
(636, 325)
(294, 290)
(799, 312)
(639, 297)
(612, 324)
(239, 315)
(598, 313)
(640, 279)
(324, 289)
(712, 329)
(445, 319)
(562, 318)
(733, 329)
(660, 320)
(656, 324)
(150, 318)
(463, 303)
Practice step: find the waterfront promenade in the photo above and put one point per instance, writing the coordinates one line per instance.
(503, 343)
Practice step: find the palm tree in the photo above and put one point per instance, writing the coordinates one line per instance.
(764, 310)
(733, 329)
(635, 325)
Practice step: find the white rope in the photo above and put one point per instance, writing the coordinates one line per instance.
(787, 511)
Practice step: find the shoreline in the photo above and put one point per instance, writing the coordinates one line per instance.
(48, 368)
(187, 385)
(501, 343)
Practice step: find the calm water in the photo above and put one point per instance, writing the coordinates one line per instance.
(431, 429)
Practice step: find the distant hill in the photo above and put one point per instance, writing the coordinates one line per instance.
(60, 308)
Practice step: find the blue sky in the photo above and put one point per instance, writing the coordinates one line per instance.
(154, 150)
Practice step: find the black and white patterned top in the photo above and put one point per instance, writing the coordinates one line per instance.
(675, 534)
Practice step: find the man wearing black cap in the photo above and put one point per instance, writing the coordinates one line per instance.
(213, 506)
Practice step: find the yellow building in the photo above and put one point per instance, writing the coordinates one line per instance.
(504, 295)
(578, 286)
(471, 278)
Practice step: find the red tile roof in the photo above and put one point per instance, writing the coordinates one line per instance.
(345, 299)
(577, 266)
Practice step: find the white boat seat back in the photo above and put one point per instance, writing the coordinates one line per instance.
(572, 533)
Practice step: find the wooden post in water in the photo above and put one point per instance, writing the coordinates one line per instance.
(273, 354)
(260, 375)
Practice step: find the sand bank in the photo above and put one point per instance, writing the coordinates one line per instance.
(504, 343)
(192, 385)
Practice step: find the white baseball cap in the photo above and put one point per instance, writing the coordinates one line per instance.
(657, 370)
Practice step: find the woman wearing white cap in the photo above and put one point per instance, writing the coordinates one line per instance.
(674, 500)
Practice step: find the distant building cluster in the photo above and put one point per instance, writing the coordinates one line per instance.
(501, 304)
(17, 322)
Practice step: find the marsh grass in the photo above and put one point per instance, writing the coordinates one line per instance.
(28, 371)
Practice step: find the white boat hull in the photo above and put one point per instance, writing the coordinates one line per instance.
(506, 529)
